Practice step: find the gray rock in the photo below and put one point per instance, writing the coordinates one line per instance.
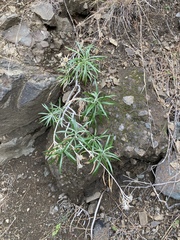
(143, 113)
(23, 89)
(63, 25)
(53, 210)
(32, 89)
(8, 20)
(129, 100)
(45, 12)
(44, 44)
(167, 177)
(46, 172)
(41, 35)
(58, 43)
(92, 208)
(154, 224)
(136, 139)
(101, 230)
(16, 147)
(93, 197)
(143, 218)
(19, 34)
(27, 41)
(130, 51)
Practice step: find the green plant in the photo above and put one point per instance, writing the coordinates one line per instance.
(79, 144)
(56, 230)
(101, 147)
(71, 136)
(95, 103)
(52, 114)
(71, 145)
(73, 140)
(82, 66)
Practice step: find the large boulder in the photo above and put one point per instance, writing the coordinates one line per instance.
(23, 89)
(167, 177)
(137, 120)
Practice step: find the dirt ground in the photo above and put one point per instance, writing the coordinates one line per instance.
(31, 206)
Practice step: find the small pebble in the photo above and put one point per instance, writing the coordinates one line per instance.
(7, 220)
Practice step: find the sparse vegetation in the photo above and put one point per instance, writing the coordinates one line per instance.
(148, 30)
(72, 138)
(82, 66)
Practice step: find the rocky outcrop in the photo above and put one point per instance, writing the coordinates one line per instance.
(23, 89)
(27, 48)
(37, 39)
(138, 126)
(137, 120)
(167, 177)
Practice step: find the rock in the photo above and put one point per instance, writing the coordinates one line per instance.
(70, 181)
(38, 53)
(121, 127)
(46, 172)
(167, 177)
(133, 161)
(101, 231)
(158, 217)
(44, 44)
(143, 218)
(154, 224)
(7, 221)
(129, 100)
(8, 20)
(139, 151)
(51, 186)
(27, 41)
(130, 51)
(92, 208)
(143, 113)
(140, 176)
(58, 43)
(21, 176)
(132, 138)
(136, 135)
(93, 197)
(41, 35)
(53, 210)
(64, 25)
(153, 194)
(44, 11)
(23, 89)
(19, 34)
